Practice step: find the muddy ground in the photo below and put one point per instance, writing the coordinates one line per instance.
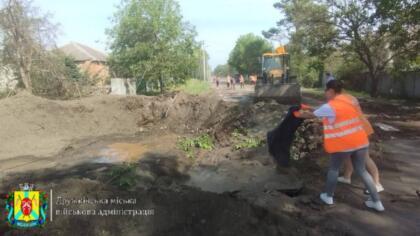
(126, 147)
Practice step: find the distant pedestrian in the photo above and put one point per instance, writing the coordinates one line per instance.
(217, 81)
(242, 81)
(253, 79)
(232, 82)
(228, 81)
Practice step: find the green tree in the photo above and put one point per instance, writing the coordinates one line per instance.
(378, 32)
(308, 26)
(149, 41)
(222, 70)
(381, 34)
(246, 55)
(71, 69)
(26, 33)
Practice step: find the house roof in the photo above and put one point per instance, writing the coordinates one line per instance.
(82, 52)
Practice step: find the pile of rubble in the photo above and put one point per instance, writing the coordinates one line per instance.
(308, 139)
(254, 119)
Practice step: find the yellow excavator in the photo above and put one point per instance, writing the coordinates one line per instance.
(275, 80)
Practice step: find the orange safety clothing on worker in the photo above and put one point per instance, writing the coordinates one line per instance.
(346, 133)
(366, 124)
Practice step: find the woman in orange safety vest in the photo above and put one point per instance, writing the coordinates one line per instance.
(370, 164)
(344, 137)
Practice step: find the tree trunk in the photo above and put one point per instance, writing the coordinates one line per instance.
(374, 85)
(321, 77)
(25, 68)
(26, 79)
(161, 84)
(320, 66)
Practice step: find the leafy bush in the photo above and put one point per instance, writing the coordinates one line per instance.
(189, 145)
(305, 68)
(310, 78)
(351, 73)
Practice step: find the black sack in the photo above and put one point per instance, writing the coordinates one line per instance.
(280, 139)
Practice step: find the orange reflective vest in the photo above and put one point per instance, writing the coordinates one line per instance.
(347, 133)
(366, 124)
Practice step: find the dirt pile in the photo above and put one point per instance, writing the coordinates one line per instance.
(178, 112)
(255, 119)
(191, 113)
(308, 140)
(43, 127)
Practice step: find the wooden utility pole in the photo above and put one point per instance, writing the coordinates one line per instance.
(204, 63)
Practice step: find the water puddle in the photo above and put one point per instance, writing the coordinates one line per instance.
(121, 152)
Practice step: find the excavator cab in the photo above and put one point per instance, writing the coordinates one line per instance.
(275, 67)
(275, 80)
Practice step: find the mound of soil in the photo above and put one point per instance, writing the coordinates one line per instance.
(255, 119)
(35, 126)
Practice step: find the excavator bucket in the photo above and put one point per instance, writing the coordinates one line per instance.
(287, 93)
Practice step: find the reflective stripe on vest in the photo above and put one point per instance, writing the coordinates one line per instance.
(366, 124)
(343, 133)
(342, 124)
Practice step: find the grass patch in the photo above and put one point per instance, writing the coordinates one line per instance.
(190, 145)
(320, 93)
(250, 142)
(124, 176)
(243, 141)
(195, 87)
(364, 95)
(6, 94)
(315, 92)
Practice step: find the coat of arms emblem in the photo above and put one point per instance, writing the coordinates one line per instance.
(26, 208)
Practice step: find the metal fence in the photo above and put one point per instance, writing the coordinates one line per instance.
(407, 85)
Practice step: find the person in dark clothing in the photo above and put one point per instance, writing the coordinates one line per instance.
(280, 139)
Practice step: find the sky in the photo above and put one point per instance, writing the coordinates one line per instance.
(219, 23)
